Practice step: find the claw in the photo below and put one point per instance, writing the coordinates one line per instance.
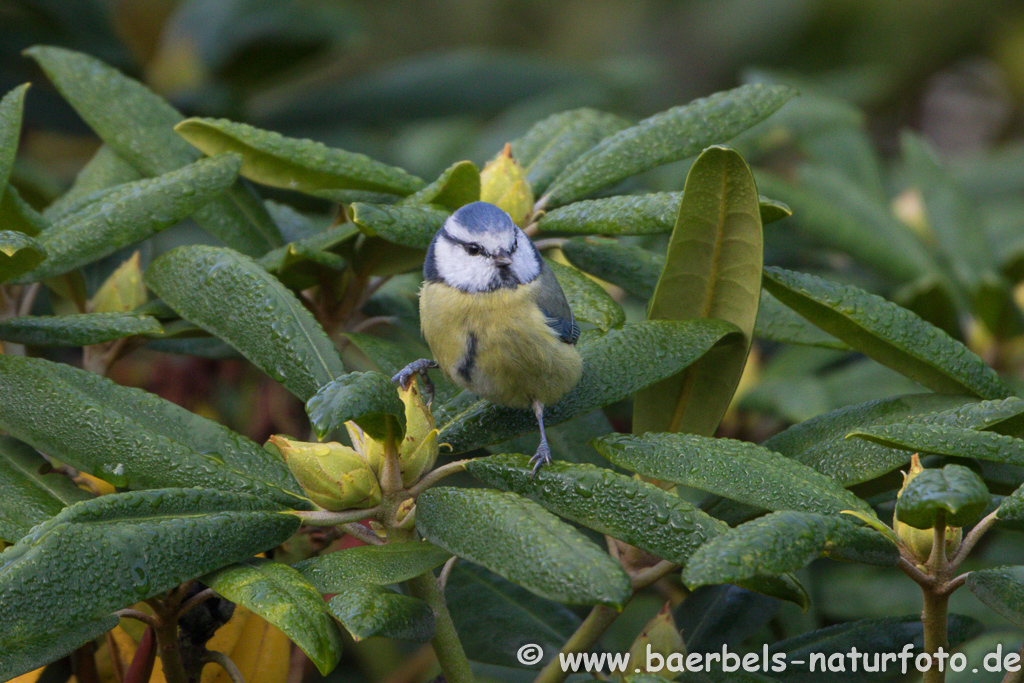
(405, 375)
(540, 458)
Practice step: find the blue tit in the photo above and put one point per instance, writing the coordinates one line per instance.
(495, 317)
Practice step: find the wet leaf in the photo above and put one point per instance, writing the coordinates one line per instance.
(783, 542)
(33, 491)
(946, 439)
(954, 494)
(891, 335)
(779, 323)
(634, 269)
(31, 653)
(102, 172)
(712, 270)
(457, 186)
(369, 610)
(367, 398)
(382, 565)
(410, 226)
(132, 438)
(266, 323)
(294, 164)
(668, 136)
(739, 470)
(522, 542)
(587, 299)
(281, 596)
(551, 144)
(130, 213)
(665, 347)
(139, 126)
(78, 329)
(11, 107)
(1002, 589)
(110, 552)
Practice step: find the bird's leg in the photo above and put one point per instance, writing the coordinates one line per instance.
(543, 454)
(420, 366)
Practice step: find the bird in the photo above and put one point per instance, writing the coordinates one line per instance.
(495, 318)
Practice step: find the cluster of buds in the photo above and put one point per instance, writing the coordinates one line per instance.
(337, 477)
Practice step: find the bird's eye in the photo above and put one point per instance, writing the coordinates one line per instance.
(473, 249)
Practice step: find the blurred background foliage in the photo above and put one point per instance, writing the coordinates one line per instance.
(422, 85)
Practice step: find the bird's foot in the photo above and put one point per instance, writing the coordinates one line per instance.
(404, 376)
(540, 458)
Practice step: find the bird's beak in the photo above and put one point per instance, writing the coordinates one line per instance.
(502, 259)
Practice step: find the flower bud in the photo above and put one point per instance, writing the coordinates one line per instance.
(405, 516)
(503, 183)
(418, 450)
(122, 291)
(335, 477)
(660, 636)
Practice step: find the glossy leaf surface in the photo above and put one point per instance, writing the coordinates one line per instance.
(33, 491)
(78, 329)
(367, 398)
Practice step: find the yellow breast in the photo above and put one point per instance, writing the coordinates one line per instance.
(497, 344)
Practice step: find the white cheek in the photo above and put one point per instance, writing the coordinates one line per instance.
(524, 263)
(460, 270)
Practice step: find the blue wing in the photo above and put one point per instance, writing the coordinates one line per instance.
(552, 303)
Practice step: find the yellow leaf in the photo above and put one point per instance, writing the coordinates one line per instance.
(261, 652)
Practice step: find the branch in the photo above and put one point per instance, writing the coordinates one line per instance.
(225, 663)
(437, 475)
(328, 518)
(362, 533)
(971, 539)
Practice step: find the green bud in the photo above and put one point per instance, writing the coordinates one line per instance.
(503, 183)
(405, 516)
(418, 450)
(662, 636)
(122, 291)
(919, 541)
(335, 477)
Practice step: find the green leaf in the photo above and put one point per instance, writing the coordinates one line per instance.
(614, 504)
(368, 610)
(19, 217)
(644, 214)
(308, 247)
(19, 253)
(665, 347)
(110, 552)
(283, 598)
(11, 107)
(829, 208)
(78, 329)
(871, 638)
(738, 470)
(587, 299)
(382, 565)
(130, 213)
(668, 136)
(410, 226)
(712, 270)
(634, 269)
(139, 126)
(30, 654)
(132, 438)
(548, 147)
(1002, 589)
(265, 322)
(644, 515)
(963, 442)
(783, 542)
(891, 335)
(821, 442)
(33, 490)
(103, 171)
(521, 541)
(457, 186)
(367, 398)
(294, 164)
(954, 494)
(388, 357)
(479, 599)
(779, 323)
